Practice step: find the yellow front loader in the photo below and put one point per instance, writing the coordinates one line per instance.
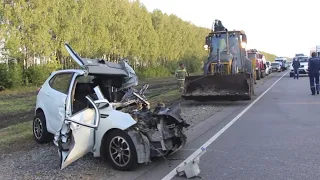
(228, 72)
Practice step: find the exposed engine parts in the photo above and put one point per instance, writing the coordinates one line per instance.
(162, 126)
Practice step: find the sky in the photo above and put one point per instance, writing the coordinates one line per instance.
(280, 27)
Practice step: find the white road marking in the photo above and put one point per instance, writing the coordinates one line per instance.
(213, 138)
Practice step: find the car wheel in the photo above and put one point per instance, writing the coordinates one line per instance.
(40, 132)
(120, 151)
(291, 75)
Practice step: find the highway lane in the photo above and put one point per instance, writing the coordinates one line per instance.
(277, 138)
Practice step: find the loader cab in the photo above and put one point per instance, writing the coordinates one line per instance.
(227, 42)
(228, 47)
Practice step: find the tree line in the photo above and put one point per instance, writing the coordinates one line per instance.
(35, 32)
(268, 56)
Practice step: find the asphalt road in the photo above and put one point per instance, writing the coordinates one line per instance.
(277, 138)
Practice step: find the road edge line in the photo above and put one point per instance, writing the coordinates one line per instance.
(173, 173)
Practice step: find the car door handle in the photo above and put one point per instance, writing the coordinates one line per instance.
(104, 115)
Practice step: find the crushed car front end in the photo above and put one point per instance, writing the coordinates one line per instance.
(118, 126)
(159, 132)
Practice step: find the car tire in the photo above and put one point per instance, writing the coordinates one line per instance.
(110, 150)
(40, 132)
(291, 74)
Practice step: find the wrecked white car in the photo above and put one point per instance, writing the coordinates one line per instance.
(96, 109)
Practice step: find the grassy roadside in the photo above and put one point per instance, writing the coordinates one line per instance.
(14, 105)
(20, 134)
(25, 89)
(14, 135)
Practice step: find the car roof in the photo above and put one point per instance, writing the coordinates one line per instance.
(96, 66)
(78, 71)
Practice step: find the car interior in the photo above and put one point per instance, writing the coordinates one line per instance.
(85, 86)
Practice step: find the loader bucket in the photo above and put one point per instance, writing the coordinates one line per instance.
(219, 87)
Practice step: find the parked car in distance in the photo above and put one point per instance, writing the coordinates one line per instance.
(276, 66)
(289, 64)
(303, 69)
(283, 62)
(268, 67)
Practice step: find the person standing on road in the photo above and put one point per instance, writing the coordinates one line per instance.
(181, 74)
(314, 67)
(296, 66)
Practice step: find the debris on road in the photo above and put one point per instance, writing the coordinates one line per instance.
(191, 169)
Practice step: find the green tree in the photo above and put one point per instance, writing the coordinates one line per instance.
(112, 29)
(268, 56)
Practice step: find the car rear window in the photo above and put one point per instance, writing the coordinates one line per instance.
(61, 82)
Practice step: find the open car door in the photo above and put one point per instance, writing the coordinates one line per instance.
(76, 137)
